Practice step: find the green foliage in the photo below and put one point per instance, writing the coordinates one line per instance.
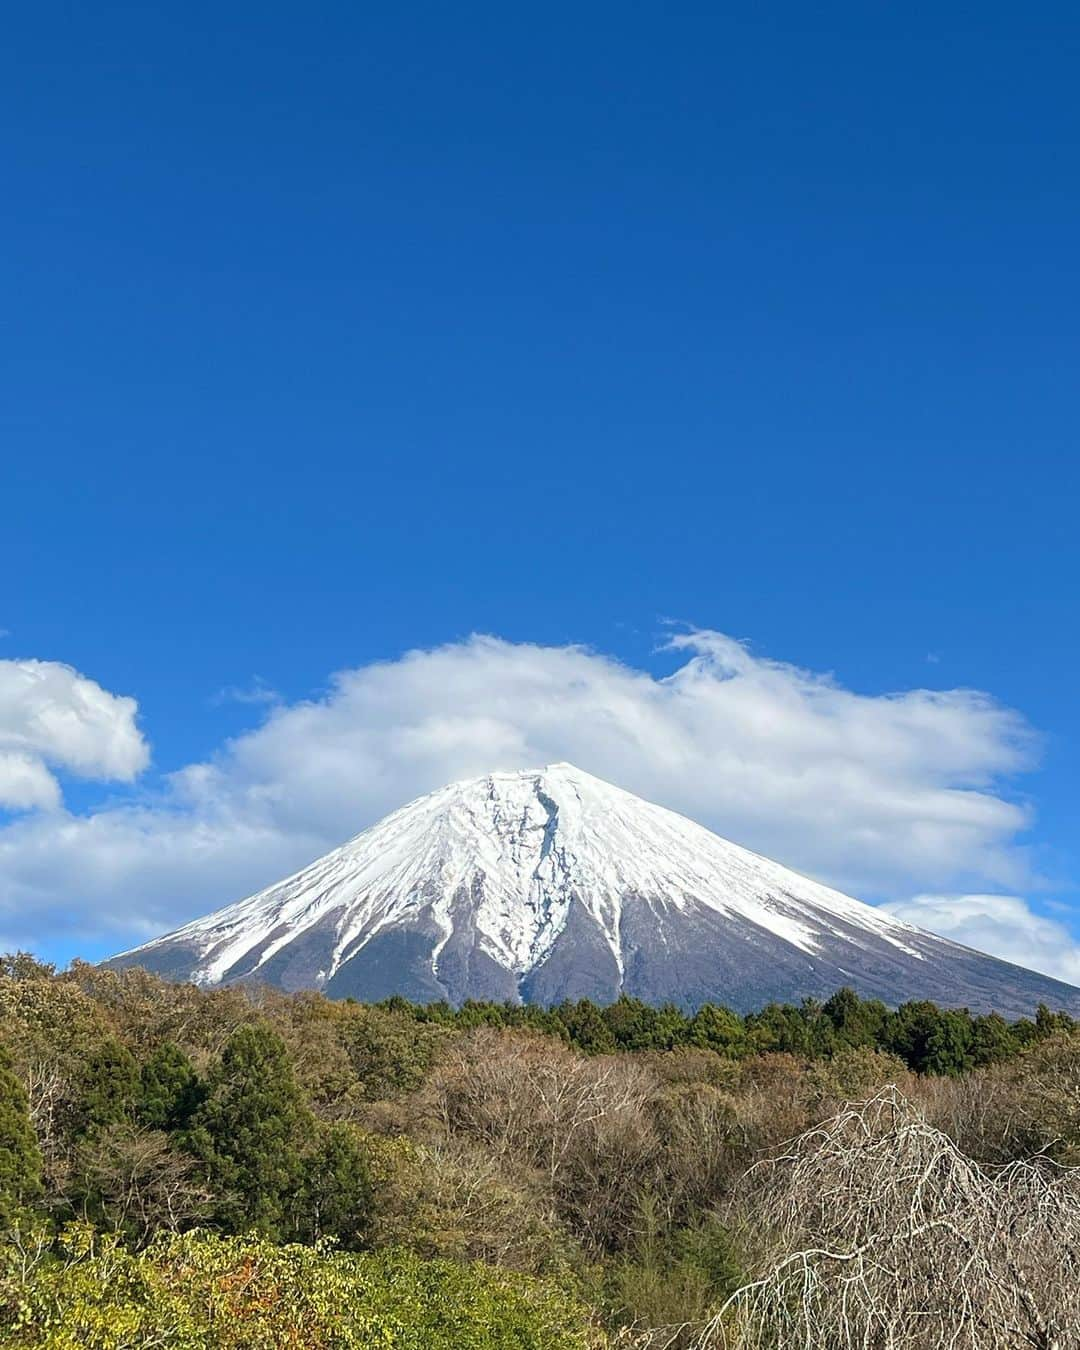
(928, 1039)
(856, 1022)
(25, 966)
(108, 1085)
(719, 1029)
(1049, 1023)
(169, 1089)
(20, 1158)
(335, 1195)
(931, 1039)
(673, 1278)
(389, 1051)
(949, 1048)
(992, 1040)
(780, 1028)
(909, 1030)
(586, 1026)
(635, 1025)
(248, 1131)
(200, 1292)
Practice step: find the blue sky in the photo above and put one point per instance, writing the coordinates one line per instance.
(330, 336)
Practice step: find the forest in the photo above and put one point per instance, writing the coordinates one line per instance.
(239, 1167)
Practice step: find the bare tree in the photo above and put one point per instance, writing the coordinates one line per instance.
(583, 1123)
(885, 1235)
(135, 1182)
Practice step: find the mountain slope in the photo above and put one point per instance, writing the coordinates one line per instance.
(551, 884)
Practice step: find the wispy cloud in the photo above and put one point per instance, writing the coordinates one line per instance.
(258, 691)
(1003, 925)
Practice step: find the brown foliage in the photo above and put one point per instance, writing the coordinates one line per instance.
(456, 1200)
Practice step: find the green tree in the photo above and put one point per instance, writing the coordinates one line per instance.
(335, 1195)
(585, 1026)
(169, 1089)
(909, 1031)
(1049, 1023)
(108, 1085)
(717, 1028)
(248, 1131)
(25, 966)
(20, 1158)
(779, 1027)
(389, 1052)
(631, 1023)
(992, 1040)
(854, 1021)
(949, 1045)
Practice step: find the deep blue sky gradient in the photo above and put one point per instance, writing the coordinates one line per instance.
(332, 331)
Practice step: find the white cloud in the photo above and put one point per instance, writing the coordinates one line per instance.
(25, 782)
(878, 794)
(51, 717)
(1003, 925)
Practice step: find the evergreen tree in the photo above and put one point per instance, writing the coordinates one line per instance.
(248, 1132)
(671, 1028)
(992, 1040)
(109, 1085)
(586, 1027)
(949, 1045)
(632, 1023)
(335, 1197)
(718, 1028)
(908, 1031)
(169, 1089)
(856, 1023)
(780, 1027)
(1049, 1023)
(20, 1158)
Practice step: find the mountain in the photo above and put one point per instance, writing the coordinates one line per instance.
(550, 884)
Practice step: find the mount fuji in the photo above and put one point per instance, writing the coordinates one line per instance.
(548, 884)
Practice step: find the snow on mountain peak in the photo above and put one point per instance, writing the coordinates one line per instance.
(523, 845)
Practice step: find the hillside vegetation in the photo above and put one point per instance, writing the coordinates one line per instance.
(239, 1167)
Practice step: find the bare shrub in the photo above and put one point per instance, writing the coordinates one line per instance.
(1027, 1107)
(134, 1182)
(885, 1234)
(706, 1147)
(853, 1073)
(1048, 1079)
(983, 1112)
(528, 1097)
(455, 1200)
(582, 1123)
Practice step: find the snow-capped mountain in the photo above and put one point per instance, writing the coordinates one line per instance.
(549, 884)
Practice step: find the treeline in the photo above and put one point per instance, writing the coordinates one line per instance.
(239, 1167)
(927, 1038)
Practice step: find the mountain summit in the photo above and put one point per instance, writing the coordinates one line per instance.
(549, 884)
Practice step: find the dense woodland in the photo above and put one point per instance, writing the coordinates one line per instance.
(243, 1168)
